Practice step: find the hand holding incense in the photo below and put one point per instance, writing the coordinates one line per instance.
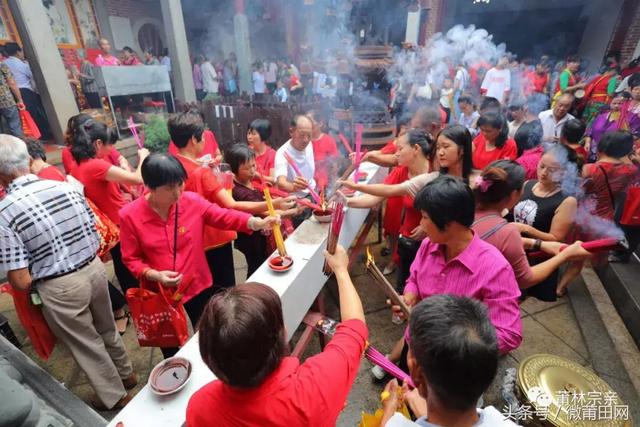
(298, 172)
(593, 246)
(337, 217)
(275, 228)
(384, 284)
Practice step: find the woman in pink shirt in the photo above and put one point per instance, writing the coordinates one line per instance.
(168, 222)
(498, 188)
(454, 260)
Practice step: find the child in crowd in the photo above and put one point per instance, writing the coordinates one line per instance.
(257, 246)
(446, 97)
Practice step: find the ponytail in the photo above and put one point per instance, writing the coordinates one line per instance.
(84, 136)
(497, 181)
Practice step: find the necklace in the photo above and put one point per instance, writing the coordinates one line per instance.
(546, 194)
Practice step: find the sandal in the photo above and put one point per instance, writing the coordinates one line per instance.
(126, 317)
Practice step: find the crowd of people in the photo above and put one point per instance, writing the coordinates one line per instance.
(471, 201)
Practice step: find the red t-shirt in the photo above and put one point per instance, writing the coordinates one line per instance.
(105, 194)
(595, 185)
(202, 181)
(266, 161)
(69, 163)
(210, 145)
(390, 148)
(51, 172)
(393, 211)
(481, 157)
(540, 82)
(324, 148)
(309, 394)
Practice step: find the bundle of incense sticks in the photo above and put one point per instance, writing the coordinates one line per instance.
(134, 131)
(600, 245)
(337, 216)
(277, 233)
(359, 128)
(384, 284)
(279, 193)
(298, 172)
(378, 358)
(345, 143)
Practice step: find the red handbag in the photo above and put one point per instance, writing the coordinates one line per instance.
(159, 317)
(29, 127)
(108, 231)
(33, 321)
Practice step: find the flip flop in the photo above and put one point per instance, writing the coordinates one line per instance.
(127, 316)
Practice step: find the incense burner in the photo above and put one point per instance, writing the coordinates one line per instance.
(280, 264)
(323, 216)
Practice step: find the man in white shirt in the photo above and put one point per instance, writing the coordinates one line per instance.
(453, 359)
(271, 76)
(258, 78)
(497, 82)
(553, 120)
(209, 79)
(299, 148)
(24, 80)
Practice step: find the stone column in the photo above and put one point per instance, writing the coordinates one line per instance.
(243, 48)
(176, 36)
(46, 64)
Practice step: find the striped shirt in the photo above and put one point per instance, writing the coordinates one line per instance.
(45, 226)
(480, 272)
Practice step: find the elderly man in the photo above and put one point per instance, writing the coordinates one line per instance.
(300, 149)
(49, 245)
(553, 120)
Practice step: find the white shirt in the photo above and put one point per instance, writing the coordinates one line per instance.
(488, 417)
(444, 97)
(21, 72)
(462, 77)
(551, 128)
(281, 94)
(304, 160)
(259, 85)
(272, 71)
(497, 82)
(166, 61)
(209, 75)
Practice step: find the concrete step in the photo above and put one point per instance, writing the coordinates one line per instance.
(613, 354)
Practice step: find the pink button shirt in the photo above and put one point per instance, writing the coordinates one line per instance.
(107, 61)
(147, 240)
(479, 272)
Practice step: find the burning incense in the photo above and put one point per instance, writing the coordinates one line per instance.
(134, 132)
(337, 216)
(298, 172)
(277, 234)
(345, 143)
(378, 358)
(279, 193)
(359, 128)
(384, 284)
(593, 246)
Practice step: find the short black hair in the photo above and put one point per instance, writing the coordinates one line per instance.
(466, 100)
(446, 199)
(496, 121)
(237, 155)
(128, 49)
(528, 136)
(634, 80)
(516, 105)
(35, 149)
(455, 344)
(162, 169)
(573, 131)
(489, 103)
(262, 127)
(616, 144)
(461, 136)
(184, 126)
(573, 58)
(12, 48)
(504, 177)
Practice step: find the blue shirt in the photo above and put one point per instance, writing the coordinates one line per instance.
(21, 72)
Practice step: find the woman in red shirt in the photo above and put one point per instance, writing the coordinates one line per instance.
(325, 150)
(242, 340)
(414, 152)
(493, 142)
(92, 140)
(258, 135)
(148, 225)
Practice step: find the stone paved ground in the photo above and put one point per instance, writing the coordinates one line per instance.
(547, 327)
